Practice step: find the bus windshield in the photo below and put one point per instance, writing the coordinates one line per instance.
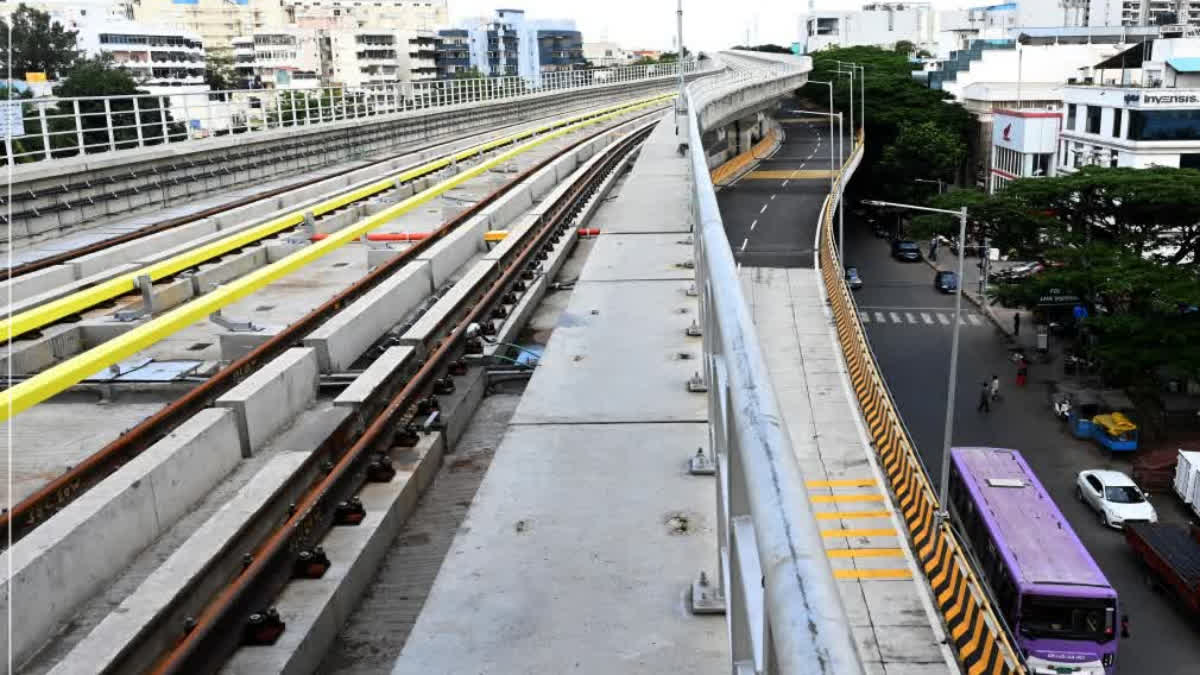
(1067, 618)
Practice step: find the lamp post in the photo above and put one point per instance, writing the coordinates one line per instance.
(830, 113)
(948, 429)
(935, 181)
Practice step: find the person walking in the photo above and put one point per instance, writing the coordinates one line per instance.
(994, 390)
(985, 404)
(1017, 324)
(933, 246)
(1022, 372)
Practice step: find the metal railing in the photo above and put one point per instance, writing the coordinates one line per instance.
(782, 604)
(41, 129)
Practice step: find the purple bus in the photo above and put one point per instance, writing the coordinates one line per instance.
(1059, 605)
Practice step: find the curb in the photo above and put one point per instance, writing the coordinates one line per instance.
(732, 180)
(984, 307)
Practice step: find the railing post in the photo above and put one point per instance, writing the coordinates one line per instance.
(108, 124)
(79, 128)
(137, 121)
(163, 108)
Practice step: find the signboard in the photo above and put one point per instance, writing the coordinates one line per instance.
(11, 121)
(1029, 133)
(1057, 296)
(35, 77)
(1160, 100)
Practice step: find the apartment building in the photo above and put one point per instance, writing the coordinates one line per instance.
(879, 24)
(1143, 12)
(377, 14)
(217, 22)
(357, 57)
(508, 43)
(283, 58)
(604, 54)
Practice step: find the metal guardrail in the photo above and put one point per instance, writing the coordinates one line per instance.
(50, 128)
(975, 632)
(783, 607)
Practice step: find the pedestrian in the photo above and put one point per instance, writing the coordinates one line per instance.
(985, 404)
(1016, 324)
(995, 388)
(1022, 372)
(933, 245)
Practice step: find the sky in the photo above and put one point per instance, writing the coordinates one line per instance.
(650, 24)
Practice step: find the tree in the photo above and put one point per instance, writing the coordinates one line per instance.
(921, 149)
(893, 100)
(38, 44)
(904, 47)
(218, 71)
(470, 73)
(769, 48)
(96, 77)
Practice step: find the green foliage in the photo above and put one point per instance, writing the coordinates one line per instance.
(904, 47)
(218, 71)
(38, 44)
(769, 48)
(1126, 241)
(926, 146)
(894, 101)
(471, 73)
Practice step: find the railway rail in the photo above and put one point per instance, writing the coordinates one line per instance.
(202, 628)
(35, 509)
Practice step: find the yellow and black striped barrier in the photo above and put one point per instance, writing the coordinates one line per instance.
(975, 634)
(730, 170)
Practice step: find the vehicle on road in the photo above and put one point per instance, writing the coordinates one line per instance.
(1058, 603)
(853, 278)
(1187, 479)
(1170, 557)
(906, 250)
(1113, 430)
(1018, 272)
(945, 282)
(1115, 497)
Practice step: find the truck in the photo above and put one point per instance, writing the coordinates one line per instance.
(1187, 479)
(1170, 556)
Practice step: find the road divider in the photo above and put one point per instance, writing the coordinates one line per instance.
(976, 634)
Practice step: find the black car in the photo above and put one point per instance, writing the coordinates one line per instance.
(946, 282)
(853, 279)
(906, 250)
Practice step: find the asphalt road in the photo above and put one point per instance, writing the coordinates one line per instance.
(772, 222)
(914, 357)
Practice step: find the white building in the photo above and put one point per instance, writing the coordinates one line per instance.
(1024, 144)
(397, 15)
(282, 58)
(880, 24)
(509, 43)
(1143, 12)
(603, 54)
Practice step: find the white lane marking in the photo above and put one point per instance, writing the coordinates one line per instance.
(753, 225)
(772, 197)
(975, 321)
(744, 242)
(764, 208)
(926, 318)
(895, 317)
(785, 182)
(910, 317)
(962, 322)
(880, 317)
(943, 320)
(865, 317)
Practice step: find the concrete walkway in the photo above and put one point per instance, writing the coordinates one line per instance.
(578, 550)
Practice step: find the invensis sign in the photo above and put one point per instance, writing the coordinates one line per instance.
(1145, 100)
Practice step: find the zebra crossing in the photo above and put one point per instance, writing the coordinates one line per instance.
(928, 317)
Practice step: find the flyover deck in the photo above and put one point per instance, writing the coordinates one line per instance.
(583, 539)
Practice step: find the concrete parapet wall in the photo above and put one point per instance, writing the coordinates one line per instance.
(272, 397)
(455, 249)
(80, 549)
(36, 283)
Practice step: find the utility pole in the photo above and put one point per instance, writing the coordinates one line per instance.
(679, 40)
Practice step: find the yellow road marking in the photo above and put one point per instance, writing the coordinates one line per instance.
(839, 515)
(788, 174)
(827, 499)
(64, 375)
(866, 553)
(872, 574)
(861, 532)
(844, 482)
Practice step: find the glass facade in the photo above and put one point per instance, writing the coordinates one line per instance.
(1164, 125)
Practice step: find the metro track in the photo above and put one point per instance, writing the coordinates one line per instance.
(58, 493)
(232, 605)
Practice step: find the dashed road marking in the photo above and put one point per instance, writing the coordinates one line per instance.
(744, 242)
(943, 320)
(926, 317)
(895, 317)
(753, 225)
(910, 317)
(763, 209)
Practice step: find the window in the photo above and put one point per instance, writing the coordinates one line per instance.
(1189, 160)
(1093, 119)
(1071, 117)
(1164, 125)
(1117, 122)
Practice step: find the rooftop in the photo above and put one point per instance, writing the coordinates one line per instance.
(1040, 545)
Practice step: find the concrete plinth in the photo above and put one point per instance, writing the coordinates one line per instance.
(272, 397)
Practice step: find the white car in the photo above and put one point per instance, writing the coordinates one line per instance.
(1114, 496)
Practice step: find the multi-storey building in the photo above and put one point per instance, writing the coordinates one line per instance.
(158, 57)
(284, 58)
(880, 24)
(604, 54)
(1143, 12)
(453, 52)
(374, 14)
(217, 22)
(509, 44)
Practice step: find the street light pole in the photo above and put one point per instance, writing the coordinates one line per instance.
(679, 36)
(952, 384)
(831, 144)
